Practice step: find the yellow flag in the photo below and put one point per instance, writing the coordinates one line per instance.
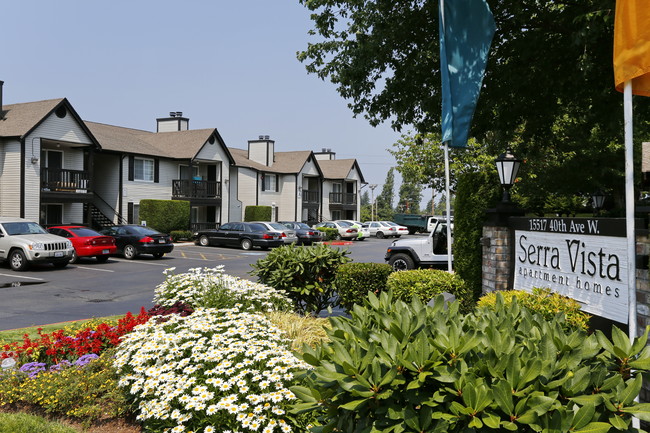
(632, 45)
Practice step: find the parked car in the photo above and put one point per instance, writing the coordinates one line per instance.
(242, 234)
(362, 232)
(86, 242)
(306, 235)
(420, 252)
(345, 229)
(23, 242)
(289, 235)
(401, 230)
(133, 240)
(381, 229)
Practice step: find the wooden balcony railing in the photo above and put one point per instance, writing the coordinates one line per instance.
(60, 179)
(343, 198)
(195, 227)
(310, 196)
(186, 188)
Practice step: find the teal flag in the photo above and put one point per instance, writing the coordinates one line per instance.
(466, 30)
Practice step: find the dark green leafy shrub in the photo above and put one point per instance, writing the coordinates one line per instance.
(258, 213)
(398, 367)
(165, 215)
(306, 275)
(355, 280)
(427, 283)
(330, 233)
(181, 235)
(544, 302)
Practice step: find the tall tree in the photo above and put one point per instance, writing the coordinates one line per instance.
(365, 198)
(548, 90)
(385, 199)
(410, 195)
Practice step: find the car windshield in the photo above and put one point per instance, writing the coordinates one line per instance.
(390, 223)
(144, 230)
(344, 224)
(84, 231)
(278, 226)
(23, 228)
(257, 227)
(302, 226)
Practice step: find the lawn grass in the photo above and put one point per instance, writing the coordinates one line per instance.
(12, 335)
(25, 423)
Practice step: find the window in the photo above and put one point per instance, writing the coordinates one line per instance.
(52, 214)
(143, 169)
(270, 182)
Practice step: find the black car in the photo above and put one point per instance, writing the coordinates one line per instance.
(240, 234)
(306, 235)
(133, 240)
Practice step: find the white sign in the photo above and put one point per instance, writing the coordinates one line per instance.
(590, 268)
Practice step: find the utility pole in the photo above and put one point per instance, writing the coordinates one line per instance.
(372, 200)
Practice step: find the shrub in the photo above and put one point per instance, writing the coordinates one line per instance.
(398, 367)
(258, 213)
(211, 288)
(354, 281)
(329, 232)
(477, 191)
(165, 215)
(181, 235)
(544, 302)
(212, 371)
(25, 423)
(427, 283)
(306, 275)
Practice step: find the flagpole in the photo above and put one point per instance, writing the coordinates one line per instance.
(629, 210)
(449, 254)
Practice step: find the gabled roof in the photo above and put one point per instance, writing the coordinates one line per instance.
(176, 145)
(339, 168)
(284, 163)
(18, 120)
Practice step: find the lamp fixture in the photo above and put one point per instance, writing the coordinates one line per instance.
(507, 167)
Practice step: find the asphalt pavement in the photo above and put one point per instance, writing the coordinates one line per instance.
(44, 295)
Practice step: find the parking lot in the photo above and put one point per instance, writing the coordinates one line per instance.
(87, 289)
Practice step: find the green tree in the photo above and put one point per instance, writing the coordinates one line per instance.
(548, 90)
(410, 195)
(385, 199)
(365, 198)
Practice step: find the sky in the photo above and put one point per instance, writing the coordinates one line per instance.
(229, 65)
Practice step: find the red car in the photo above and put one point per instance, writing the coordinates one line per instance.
(86, 242)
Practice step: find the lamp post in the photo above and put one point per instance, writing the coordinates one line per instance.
(597, 201)
(507, 167)
(372, 201)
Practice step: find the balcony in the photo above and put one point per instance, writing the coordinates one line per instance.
(343, 200)
(196, 191)
(195, 227)
(59, 179)
(310, 198)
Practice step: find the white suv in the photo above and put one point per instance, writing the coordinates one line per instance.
(23, 242)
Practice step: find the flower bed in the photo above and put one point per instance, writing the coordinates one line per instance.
(211, 371)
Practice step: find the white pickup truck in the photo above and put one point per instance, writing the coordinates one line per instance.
(23, 242)
(419, 251)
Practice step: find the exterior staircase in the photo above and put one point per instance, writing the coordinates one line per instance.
(98, 219)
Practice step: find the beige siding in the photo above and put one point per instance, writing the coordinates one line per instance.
(325, 207)
(137, 190)
(247, 188)
(107, 183)
(55, 128)
(288, 198)
(10, 181)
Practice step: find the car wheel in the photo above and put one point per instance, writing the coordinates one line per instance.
(18, 261)
(102, 259)
(246, 244)
(338, 237)
(380, 235)
(130, 252)
(158, 255)
(397, 236)
(204, 241)
(401, 262)
(74, 257)
(60, 265)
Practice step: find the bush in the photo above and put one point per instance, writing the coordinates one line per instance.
(475, 194)
(427, 283)
(181, 235)
(211, 288)
(398, 367)
(165, 215)
(329, 232)
(543, 302)
(258, 213)
(25, 423)
(306, 275)
(354, 281)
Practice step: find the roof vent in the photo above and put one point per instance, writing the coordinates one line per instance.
(266, 137)
(172, 114)
(324, 150)
(179, 114)
(261, 137)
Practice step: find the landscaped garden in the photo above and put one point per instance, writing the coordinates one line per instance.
(221, 354)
